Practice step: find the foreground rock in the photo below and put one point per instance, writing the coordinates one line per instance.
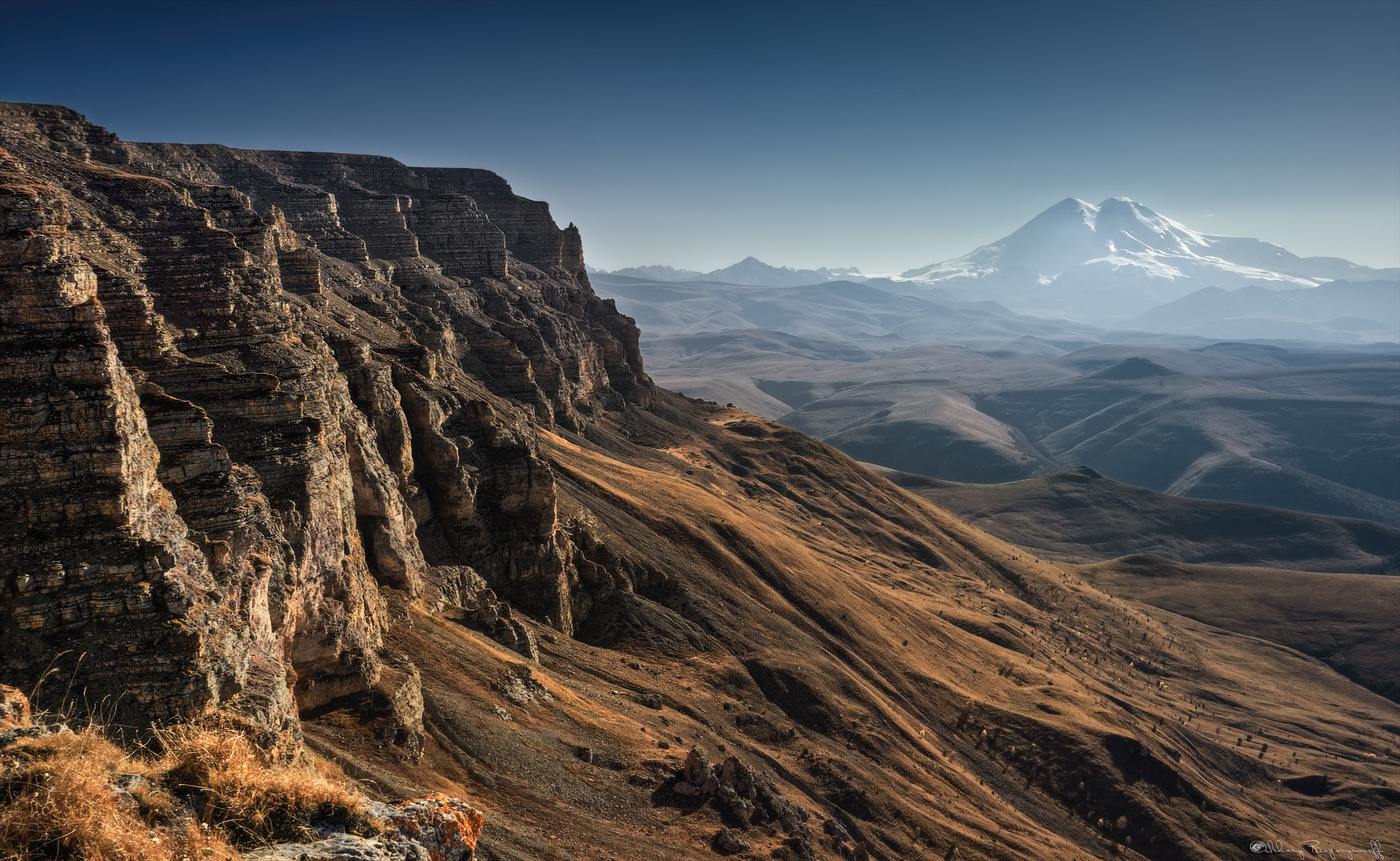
(435, 828)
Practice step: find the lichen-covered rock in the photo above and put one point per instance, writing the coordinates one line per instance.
(33, 730)
(432, 828)
(17, 722)
(14, 708)
(447, 828)
(338, 847)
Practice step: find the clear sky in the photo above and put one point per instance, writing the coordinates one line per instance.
(879, 135)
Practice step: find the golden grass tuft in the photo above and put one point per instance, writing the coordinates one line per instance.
(237, 787)
(57, 801)
(209, 790)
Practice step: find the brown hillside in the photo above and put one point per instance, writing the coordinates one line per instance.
(351, 452)
(855, 643)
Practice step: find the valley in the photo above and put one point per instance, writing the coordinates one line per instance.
(357, 458)
(973, 393)
(1081, 516)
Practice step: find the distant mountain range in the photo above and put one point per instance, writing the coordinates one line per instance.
(750, 271)
(1122, 265)
(1338, 312)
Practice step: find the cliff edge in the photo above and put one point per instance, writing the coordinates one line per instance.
(244, 390)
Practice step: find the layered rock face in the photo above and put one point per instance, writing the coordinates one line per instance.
(244, 392)
(325, 444)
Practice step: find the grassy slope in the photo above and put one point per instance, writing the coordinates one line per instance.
(1345, 620)
(855, 642)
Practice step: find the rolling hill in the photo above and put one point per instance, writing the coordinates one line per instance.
(972, 392)
(1080, 516)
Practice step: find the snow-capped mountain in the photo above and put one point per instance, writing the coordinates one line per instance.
(1110, 262)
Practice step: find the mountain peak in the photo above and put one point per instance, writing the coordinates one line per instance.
(755, 273)
(1071, 204)
(750, 272)
(1114, 260)
(1125, 204)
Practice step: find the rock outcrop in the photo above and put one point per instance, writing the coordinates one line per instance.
(432, 828)
(246, 391)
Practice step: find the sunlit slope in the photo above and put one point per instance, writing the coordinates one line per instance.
(1347, 621)
(891, 669)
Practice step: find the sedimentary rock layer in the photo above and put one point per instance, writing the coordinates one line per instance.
(243, 390)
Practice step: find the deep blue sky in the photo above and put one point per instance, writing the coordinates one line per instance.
(879, 135)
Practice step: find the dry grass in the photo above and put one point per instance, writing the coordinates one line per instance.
(59, 802)
(239, 790)
(207, 791)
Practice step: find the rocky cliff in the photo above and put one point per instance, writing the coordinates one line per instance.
(349, 453)
(244, 390)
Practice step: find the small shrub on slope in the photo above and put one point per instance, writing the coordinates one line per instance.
(233, 784)
(78, 796)
(57, 800)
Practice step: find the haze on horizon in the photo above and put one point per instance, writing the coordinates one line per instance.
(884, 136)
